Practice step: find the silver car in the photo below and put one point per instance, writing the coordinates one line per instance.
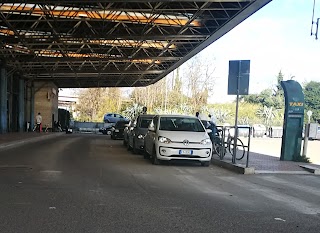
(113, 118)
(138, 132)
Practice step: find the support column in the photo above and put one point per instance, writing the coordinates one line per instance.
(32, 106)
(3, 100)
(21, 105)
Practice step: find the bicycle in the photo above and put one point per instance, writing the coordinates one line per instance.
(228, 145)
(37, 128)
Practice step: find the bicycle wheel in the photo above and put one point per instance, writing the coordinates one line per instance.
(217, 147)
(240, 150)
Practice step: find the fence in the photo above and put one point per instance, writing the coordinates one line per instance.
(88, 127)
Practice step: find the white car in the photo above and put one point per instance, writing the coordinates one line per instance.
(178, 137)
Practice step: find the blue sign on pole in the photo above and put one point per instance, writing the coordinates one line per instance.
(238, 79)
(238, 84)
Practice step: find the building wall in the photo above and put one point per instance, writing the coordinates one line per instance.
(46, 102)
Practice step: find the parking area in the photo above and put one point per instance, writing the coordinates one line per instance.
(272, 147)
(264, 155)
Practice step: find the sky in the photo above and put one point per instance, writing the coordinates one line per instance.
(275, 38)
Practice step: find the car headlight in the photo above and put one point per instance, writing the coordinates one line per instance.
(205, 141)
(140, 136)
(117, 131)
(164, 140)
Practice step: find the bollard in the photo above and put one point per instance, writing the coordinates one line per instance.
(306, 139)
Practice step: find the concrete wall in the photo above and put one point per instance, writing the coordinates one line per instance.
(46, 102)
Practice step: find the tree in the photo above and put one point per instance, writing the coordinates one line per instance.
(151, 96)
(312, 98)
(264, 98)
(133, 111)
(270, 97)
(222, 115)
(200, 81)
(89, 103)
(267, 114)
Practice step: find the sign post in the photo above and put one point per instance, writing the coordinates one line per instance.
(238, 84)
(309, 114)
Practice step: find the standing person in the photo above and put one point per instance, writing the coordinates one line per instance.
(144, 110)
(212, 118)
(213, 127)
(39, 122)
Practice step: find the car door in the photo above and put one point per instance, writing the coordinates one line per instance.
(150, 136)
(131, 132)
(134, 130)
(126, 132)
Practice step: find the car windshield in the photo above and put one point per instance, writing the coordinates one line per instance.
(180, 124)
(144, 123)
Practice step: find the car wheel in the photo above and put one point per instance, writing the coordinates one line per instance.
(155, 160)
(205, 164)
(128, 146)
(145, 153)
(134, 149)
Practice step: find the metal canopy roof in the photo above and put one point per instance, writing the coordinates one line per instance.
(111, 43)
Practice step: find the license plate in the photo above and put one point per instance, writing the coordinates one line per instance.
(185, 152)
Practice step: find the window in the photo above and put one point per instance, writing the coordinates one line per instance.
(180, 124)
(144, 122)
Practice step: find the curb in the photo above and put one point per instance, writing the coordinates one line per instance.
(241, 169)
(18, 143)
(311, 169)
(234, 167)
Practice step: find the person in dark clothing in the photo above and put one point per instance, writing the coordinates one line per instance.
(144, 110)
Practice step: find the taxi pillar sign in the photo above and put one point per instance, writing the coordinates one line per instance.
(293, 120)
(309, 114)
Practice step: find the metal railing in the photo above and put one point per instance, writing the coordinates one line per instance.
(225, 140)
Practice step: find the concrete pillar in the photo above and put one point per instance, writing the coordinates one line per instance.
(32, 106)
(21, 106)
(3, 100)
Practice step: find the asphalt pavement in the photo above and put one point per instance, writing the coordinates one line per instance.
(90, 183)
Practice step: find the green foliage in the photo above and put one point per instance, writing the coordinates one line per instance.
(267, 114)
(270, 97)
(180, 96)
(131, 112)
(225, 113)
(312, 99)
(302, 159)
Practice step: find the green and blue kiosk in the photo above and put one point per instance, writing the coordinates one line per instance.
(293, 121)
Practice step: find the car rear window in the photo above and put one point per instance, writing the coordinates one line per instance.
(121, 123)
(145, 122)
(180, 124)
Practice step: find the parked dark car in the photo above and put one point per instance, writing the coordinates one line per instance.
(138, 132)
(107, 128)
(117, 130)
(127, 130)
